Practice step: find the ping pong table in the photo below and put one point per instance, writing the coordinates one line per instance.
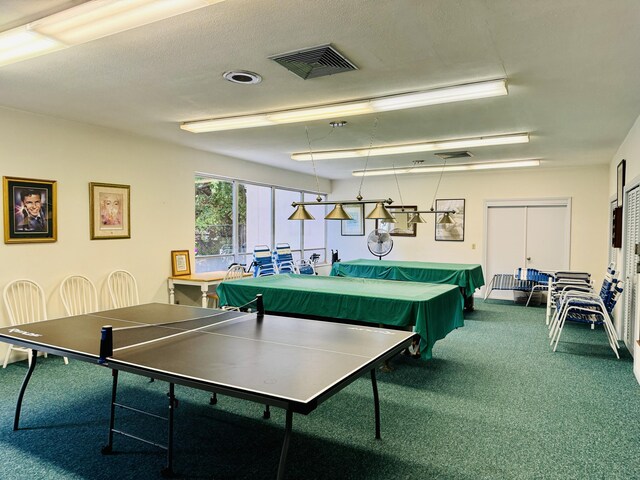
(289, 363)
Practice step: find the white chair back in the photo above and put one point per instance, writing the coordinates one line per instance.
(123, 289)
(79, 295)
(25, 302)
(235, 272)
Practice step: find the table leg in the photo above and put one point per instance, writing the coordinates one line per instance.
(168, 470)
(172, 292)
(205, 290)
(285, 444)
(108, 448)
(376, 402)
(23, 388)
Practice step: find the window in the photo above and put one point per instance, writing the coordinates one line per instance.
(233, 216)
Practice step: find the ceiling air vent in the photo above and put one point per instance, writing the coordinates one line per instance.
(314, 62)
(449, 155)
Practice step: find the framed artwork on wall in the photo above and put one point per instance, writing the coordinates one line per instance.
(109, 211)
(30, 210)
(354, 227)
(180, 263)
(452, 229)
(620, 183)
(401, 227)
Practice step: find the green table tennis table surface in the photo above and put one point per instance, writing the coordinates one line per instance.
(467, 276)
(433, 310)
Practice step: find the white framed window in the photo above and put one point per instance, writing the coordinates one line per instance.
(232, 216)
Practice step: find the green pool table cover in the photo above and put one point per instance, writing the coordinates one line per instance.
(467, 276)
(433, 309)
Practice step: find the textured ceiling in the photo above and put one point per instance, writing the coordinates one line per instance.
(572, 68)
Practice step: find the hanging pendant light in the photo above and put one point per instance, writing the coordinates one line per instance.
(445, 219)
(416, 218)
(300, 213)
(380, 212)
(338, 213)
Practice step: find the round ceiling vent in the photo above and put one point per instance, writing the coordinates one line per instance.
(242, 76)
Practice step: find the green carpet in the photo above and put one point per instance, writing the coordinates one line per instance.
(493, 403)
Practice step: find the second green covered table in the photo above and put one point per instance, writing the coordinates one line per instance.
(433, 310)
(468, 277)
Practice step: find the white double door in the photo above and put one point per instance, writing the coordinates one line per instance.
(526, 234)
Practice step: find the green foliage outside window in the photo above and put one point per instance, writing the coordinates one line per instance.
(214, 216)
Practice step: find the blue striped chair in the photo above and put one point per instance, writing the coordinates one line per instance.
(263, 262)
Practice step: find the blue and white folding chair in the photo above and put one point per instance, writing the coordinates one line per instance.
(263, 263)
(539, 280)
(283, 259)
(588, 307)
(563, 282)
(304, 267)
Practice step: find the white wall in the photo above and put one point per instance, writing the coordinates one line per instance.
(161, 176)
(630, 151)
(587, 187)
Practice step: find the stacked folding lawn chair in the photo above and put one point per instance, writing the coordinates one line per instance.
(263, 262)
(283, 259)
(576, 303)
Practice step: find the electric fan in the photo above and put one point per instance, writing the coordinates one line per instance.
(379, 243)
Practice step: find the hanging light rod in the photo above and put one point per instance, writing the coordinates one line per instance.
(86, 22)
(402, 101)
(449, 168)
(388, 201)
(450, 144)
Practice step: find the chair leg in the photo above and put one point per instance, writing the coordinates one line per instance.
(6, 357)
(489, 288)
(66, 360)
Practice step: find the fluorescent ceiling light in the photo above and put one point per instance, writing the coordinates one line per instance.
(402, 101)
(19, 44)
(85, 22)
(451, 144)
(448, 168)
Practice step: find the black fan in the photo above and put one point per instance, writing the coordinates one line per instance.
(380, 243)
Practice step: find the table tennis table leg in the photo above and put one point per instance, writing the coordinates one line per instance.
(23, 388)
(285, 444)
(376, 402)
(108, 448)
(168, 470)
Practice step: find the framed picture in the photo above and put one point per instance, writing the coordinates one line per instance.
(109, 211)
(401, 227)
(452, 228)
(621, 173)
(354, 227)
(30, 210)
(180, 263)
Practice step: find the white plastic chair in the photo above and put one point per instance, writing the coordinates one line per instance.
(235, 272)
(79, 295)
(123, 289)
(25, 303)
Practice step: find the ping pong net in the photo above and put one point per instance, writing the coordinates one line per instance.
(114, 340)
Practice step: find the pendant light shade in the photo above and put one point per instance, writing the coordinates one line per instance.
(416, 218)
(300, 213)
(338, 213)
(380, 212)
(446, 218)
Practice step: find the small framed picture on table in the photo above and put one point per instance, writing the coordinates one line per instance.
(180, 263)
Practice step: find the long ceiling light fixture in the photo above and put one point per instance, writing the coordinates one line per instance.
(86, 22)
(455, 93)
(434, 146)
(449, 168)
